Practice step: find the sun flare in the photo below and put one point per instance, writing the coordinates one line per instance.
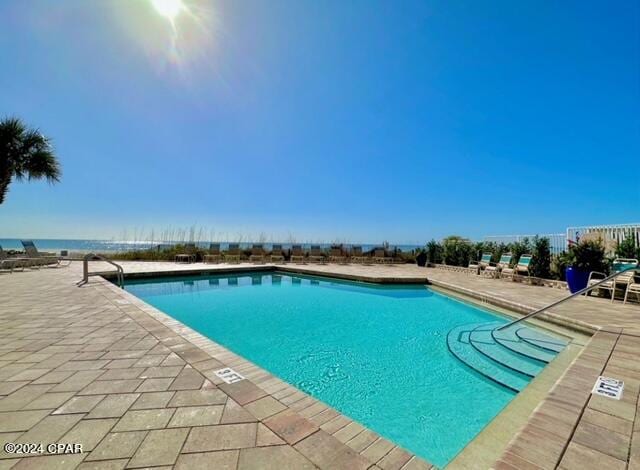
(168, 8)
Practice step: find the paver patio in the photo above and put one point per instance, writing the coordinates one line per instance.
(97, 366)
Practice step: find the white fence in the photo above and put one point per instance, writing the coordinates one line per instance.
(610, 234)
(557, 241)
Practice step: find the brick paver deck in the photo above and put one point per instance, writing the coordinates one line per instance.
(97, 366)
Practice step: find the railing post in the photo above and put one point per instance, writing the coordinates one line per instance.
(85, 268)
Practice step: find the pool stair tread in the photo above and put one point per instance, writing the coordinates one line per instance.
(480, 363)
(510, 340)
(540, 340)
(482, 340)
(509, 358)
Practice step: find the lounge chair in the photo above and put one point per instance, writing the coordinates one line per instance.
(621, 281)
(356, 256)
(316, 255)
(189, 255)
(257, 254)
(380, 256)
(276, 254)
(233, 253)
(337, 256)
(633, 287)
(521, 268)
(214, 255)
(9, 264)
(495, 270)
(297, 254)
(485, 261)
(397, 257)
(40, 259)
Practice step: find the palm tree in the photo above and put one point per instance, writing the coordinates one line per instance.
(24, 153)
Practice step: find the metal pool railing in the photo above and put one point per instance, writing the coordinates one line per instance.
(564, 299)
(119, 272)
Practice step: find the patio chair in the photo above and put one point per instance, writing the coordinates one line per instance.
(398, 257)
(233, 253)
(380, 256)
(633, 287)
(9, 264)
(189, 255)
(257, 254)
(337, 256)
(297, 254)
(485, 261)
(521, 268)
(495, 270)
(356, 256)
(38, 259)
(276, 254)
(316, 255)
(621, 281)
(214, 255)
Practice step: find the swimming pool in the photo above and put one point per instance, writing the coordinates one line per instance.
(376, 353)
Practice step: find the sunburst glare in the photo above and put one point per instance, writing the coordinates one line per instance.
(168, 8)
(178, 36)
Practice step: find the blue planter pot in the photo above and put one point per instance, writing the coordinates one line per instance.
(576, 279)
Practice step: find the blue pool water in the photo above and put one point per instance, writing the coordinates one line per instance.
(376, 353)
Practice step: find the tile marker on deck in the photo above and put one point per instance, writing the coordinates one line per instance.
(229, 375)
(608, 387)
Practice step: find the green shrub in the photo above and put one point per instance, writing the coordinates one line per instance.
(457, 251)
(541, 262)
(165, 253)
(627, 248)
(559, 265)
(434, 252)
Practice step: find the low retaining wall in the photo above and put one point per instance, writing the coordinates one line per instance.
(536, 281)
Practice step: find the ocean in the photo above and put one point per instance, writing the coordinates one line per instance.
(110, 246)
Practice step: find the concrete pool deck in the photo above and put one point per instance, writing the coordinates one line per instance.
(98, 366)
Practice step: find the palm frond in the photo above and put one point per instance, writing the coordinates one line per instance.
(25, 153)
(38, 159)
(43, 164)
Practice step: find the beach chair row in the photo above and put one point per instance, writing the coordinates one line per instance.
(627, 284)
(297, 255)
(503, 268)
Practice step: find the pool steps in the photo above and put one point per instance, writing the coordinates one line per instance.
(509, 358)
(509, 340)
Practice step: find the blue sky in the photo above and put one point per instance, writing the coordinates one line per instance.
(361, 121)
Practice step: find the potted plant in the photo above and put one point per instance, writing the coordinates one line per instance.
(421, 257)
(585, 257)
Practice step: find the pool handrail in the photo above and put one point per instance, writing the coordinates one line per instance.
(564, 299)
(119, 272)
